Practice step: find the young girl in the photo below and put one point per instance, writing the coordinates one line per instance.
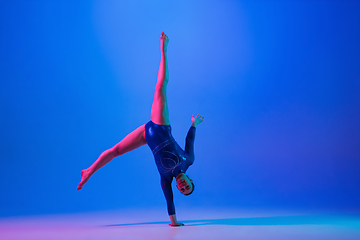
(170, 159)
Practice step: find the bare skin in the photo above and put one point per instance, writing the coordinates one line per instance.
(159, 109)
(183, 183)
(174, 222)
(196, 120)
(132, 141)
(136, 139)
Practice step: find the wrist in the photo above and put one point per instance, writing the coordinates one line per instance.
(173, 219)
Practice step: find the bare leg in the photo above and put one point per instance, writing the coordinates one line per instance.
(159, 109)
(132, 141)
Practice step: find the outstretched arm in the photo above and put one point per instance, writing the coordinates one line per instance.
(168, 193)
(190, 138)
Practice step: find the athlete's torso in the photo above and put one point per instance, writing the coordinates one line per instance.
(169, 156)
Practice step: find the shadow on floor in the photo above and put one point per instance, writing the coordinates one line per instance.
(349, 220)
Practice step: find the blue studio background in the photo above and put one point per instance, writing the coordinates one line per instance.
(277, 82)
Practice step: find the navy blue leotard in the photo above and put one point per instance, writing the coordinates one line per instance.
(169, 157)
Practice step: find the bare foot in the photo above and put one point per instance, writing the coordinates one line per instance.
(164, 40)
(85, 175)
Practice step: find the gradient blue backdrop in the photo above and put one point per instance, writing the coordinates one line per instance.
(277, 81)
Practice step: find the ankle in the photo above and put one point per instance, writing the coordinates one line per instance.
(89, 171)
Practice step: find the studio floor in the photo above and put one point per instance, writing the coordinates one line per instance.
(199, 224)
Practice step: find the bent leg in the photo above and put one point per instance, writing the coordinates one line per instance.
(159, 109)
(133, 140)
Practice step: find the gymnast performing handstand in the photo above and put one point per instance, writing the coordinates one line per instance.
(170, 159)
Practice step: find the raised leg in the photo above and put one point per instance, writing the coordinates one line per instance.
(159, 109)
(132, 141)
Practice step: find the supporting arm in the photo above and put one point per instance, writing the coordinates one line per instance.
(168, 193)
